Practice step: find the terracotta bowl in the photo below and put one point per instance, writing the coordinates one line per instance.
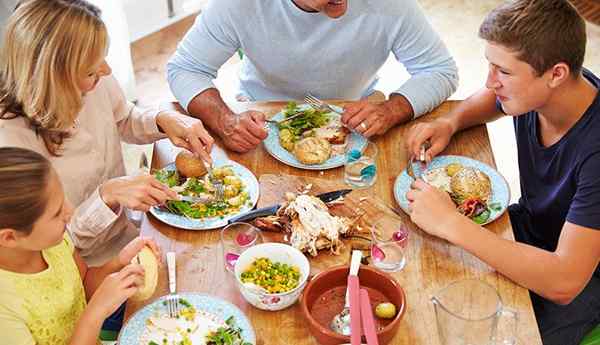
(324, 297)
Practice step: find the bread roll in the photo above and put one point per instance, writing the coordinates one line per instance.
(148, 260)
(312, 150)
(189, 165)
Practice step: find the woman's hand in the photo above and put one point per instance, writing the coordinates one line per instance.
(115, 289)
(187, 132)
(135, 192)
(438, 133)
(133, 248)
(432, 209)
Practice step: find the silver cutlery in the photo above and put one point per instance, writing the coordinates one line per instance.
(286, 119)
(420, 160)
(318, 104)
(173, 304)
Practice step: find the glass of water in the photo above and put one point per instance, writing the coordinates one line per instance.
(235, 239)
(388, 245)
(360, 166)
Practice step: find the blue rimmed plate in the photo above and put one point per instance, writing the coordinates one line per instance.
(500, 191)
(133, 330)
(250, 184)
(355, 141)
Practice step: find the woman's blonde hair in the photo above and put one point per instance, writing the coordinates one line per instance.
(24, 176)
(48, 47)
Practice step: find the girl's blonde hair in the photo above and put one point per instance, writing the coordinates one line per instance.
(49, 45)
(24, 176)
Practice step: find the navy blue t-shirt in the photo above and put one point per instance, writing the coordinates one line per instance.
(561, 182)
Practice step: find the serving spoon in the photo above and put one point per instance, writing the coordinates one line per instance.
(341, 321)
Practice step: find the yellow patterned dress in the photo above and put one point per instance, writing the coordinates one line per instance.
(42, 308)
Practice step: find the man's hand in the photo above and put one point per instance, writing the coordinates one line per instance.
(245, 131)
(187, 132)
(371, 119)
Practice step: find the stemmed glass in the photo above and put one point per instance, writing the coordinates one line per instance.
(235, 239)
(388, 245)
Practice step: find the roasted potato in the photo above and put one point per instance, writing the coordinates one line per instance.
(231, 191)
(221, 172)
(286, 139)
(234, 181)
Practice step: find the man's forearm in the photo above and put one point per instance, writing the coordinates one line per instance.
(400, 108)
(479, 108)
(209, 107)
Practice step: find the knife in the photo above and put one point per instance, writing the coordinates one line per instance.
(269, 210)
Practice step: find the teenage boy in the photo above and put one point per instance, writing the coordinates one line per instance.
(535, 50)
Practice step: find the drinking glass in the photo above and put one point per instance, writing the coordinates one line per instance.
(388, 245)
(360, 166)
(235, 239)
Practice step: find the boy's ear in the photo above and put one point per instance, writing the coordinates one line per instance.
(558, 74)
(8, 238)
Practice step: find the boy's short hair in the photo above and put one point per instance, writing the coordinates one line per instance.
(544, 32)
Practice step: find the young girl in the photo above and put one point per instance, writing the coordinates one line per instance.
(43, 280)
(57, 98)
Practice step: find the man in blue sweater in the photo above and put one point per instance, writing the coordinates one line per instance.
(535, 50)
(330, 48)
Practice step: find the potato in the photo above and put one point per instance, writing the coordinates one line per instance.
(286, 139)
(231, 191)
(221, 172)
(150, 264)
(233, 181)
(189, 165)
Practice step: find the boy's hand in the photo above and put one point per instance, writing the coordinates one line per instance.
(133, 248)
(438, 132)
(115, 289)
(431, 209)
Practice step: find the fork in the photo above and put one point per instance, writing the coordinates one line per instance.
(319, 104)
(172, 300)
(411, 161)
(219, 188)
(286, 119)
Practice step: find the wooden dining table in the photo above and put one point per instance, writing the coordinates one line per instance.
(432, 263)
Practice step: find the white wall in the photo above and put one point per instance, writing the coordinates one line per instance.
(148, 16)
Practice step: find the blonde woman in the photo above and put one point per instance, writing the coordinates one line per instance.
(57, 98)
(43, 280)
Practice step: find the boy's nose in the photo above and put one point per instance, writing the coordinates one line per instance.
(491, 82)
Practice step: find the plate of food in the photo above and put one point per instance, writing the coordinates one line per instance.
(310, 226)
(312, 139)
(478, 190)
(199, 207)
(203, 320)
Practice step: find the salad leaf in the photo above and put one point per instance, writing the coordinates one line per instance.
(482, 217)
(195, 186)
(230, 335)
(168, 177)
(310, 120)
